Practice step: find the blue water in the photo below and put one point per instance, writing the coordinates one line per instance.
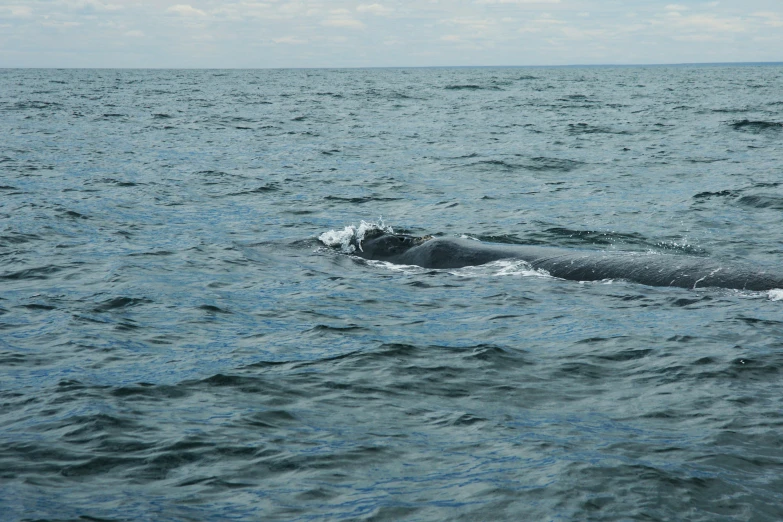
(177, 344)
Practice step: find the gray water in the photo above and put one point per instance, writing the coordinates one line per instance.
(177, 344)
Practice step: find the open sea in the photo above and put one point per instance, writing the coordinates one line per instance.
(176, 344)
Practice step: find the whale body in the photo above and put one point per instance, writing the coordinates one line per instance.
(650, 269)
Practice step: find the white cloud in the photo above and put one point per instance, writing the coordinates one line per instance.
(290, 40)
(711, 23)
(59, 23)
(771, 19)
(376, 9)
(96, 5)
(343, 22)
(583, 34)
(479, 23)
(517, 1)
(185, 10)
(16, 11)
(243, 10)
(327, 33)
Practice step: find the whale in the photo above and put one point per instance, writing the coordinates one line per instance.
(646, 268)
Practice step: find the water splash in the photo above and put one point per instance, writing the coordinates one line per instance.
(350, 238)
(775, 294)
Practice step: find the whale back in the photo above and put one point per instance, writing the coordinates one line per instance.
(654, 269)
(458, 253)
(651, 269)
(388, 247)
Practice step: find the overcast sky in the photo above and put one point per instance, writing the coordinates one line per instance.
(349, 33)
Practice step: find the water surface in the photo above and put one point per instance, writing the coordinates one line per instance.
(176, 344)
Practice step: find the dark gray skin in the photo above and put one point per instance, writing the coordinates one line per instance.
(579, 265)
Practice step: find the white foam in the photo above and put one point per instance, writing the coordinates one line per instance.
(501, 268)
(776, 294)
(517, 267)
(351, 237)
(405, 269)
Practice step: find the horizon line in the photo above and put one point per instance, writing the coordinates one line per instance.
(678, 64)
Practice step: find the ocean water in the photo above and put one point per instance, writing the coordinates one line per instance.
(177, 344)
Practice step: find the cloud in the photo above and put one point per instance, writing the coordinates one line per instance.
(584, 34)
(290, 40)
(185, 10)
(711, 23)
(58, 23)
(343, 22)
(16, 11)
(484, 2)
(387, 32)
(771, 19)
(376, 9)
(474, 23)
(696, 38)
(96, 5)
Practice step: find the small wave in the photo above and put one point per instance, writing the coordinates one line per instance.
(18, 238)
(321, 328)
(756, 125)
(151, 253)
(762, 201)
(584, 128)
(42, 272)
(575, 97)
(401, 96)
(537, 164)
(731, 111)
(38, 306)
(705, 160)
(719, 194)
(500, 163)
(542, 163)
(34, 104)
(75, 215)
(119, 303)
(214, 309)
(270, 187)
(471, 87)
(350, 238)
(360, 199)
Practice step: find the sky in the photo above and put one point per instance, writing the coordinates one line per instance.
(385, 33)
